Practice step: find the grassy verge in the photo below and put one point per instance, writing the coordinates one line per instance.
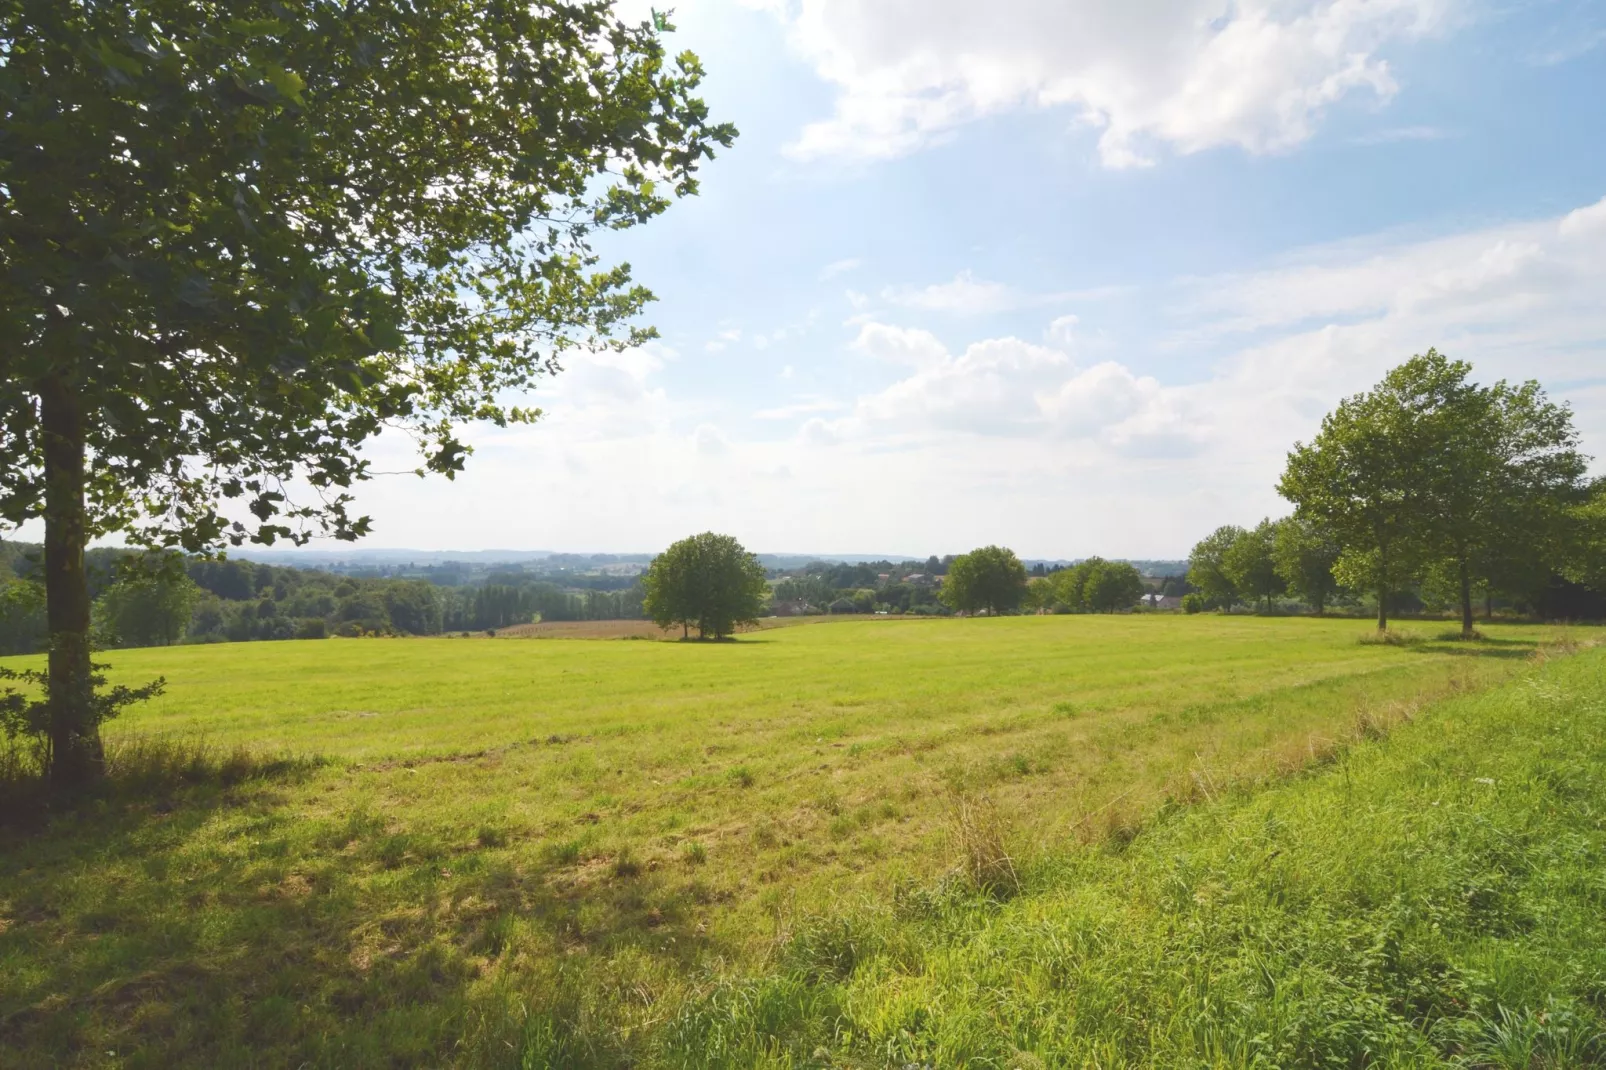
(1435, 900)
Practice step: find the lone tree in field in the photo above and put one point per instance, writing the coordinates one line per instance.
(239, 240)
(991, 578)
(707, 581)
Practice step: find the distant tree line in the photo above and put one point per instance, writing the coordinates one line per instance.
(1429, 490)
(147, 601)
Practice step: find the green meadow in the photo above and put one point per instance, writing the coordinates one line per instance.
(1076, 840)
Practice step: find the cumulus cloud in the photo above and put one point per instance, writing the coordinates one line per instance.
(978, 439)
(710, 441)
(1186, 74)
(911, 346)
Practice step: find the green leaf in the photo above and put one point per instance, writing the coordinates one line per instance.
(289, 84)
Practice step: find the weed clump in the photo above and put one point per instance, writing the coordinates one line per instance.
(978, 836)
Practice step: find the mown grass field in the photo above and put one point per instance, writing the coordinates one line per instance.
(569, 852)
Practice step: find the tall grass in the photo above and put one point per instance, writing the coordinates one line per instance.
(1432, 900)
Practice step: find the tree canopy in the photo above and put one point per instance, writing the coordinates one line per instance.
(1250, 566)
(1207, 566)
(1304, 554)
(991, 578)
(707, 581)
(1429, 469)
(237, 243)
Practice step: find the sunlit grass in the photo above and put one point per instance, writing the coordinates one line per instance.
(488, 847)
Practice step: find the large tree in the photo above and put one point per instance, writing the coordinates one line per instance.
(1207, 566)
(239, 240)
(1586, 550)
(1304, 553)
(1431, 472)
(1111, 586)
(991, 578)
(708, 581)
(1367, 476)
(1250, 565)
(1501, 488)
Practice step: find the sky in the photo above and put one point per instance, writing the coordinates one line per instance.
(1069, 276)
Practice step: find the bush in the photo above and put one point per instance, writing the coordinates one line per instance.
(312, 628)
(1194, 603)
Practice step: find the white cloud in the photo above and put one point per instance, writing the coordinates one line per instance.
(838, 267)
(710, 441)
(722, 339)
(966, 295)
(1185, 74)
(900, 345)
(802, 407)
(1394, 134)
(1002, 439)
(1062, 331)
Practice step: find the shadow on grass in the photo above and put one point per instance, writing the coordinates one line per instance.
(1482, 647)
(208, 908)
(143, 774)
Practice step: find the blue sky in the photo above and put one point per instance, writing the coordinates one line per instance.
(1065, 276)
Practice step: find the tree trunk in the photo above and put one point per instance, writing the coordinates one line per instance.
(1382, 589)
(76, 755)
(1488, 603)
(1466, 601)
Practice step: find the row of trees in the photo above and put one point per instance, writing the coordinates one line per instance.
(993, 580)
(139, 601)
(1428, 483)
(1291, 556)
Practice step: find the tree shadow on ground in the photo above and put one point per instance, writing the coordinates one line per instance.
(1485, 647)
(230, 921)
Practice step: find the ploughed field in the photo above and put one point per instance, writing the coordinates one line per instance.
(570, 852)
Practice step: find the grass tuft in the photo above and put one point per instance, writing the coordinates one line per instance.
(978, 834)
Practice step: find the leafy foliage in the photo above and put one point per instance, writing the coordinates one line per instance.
(1250, 565)
(707, 580)
(1304, 555)
(1096, 586)
(1207, 566)
(236, 244)
(1429, 469)
(990, 578)
(376, 216)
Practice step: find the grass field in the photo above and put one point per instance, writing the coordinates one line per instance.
(580, 852)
